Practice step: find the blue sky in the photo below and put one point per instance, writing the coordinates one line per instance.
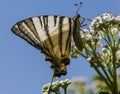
(23, 69)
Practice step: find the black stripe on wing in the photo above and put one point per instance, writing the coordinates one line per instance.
(32, 28)
(55, 20)
(45, 21)
(18, 30)
(68, 42)
(60, 33)
(40, 19)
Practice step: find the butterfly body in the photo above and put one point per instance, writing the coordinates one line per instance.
(52, 36)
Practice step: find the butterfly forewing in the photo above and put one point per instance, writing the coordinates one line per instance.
(51, 35)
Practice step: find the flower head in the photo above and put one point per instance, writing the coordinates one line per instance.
(56, 86)
(65, 83)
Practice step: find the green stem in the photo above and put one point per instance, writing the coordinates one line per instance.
(109, 66)
(65, 90)
(79, 52)
(114, 49)
(99, 73)
(107, 42)
(105, 72)
(115, 85)
(107, 39)
(110, 72)
(102, 76)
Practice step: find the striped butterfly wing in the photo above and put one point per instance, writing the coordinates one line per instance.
(51, 35)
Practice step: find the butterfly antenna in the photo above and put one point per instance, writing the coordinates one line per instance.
(80, 4)
(51, 85)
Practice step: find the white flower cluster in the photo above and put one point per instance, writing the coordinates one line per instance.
(55, 86)
(105, 21)
(102, 37)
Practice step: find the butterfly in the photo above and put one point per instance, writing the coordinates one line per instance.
(52, 34)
